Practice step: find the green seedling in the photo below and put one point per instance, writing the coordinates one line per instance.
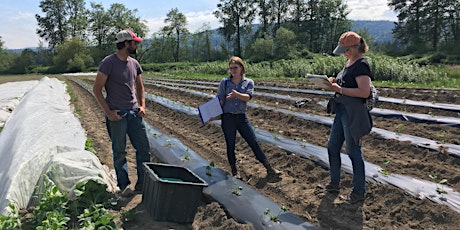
(440, 186)
(275, 218)
(187, 157)
(304, 141)
(128, 215)
(276, 136)
(209, 168)
(237, 190)
(168, 143)
(442, 137)
(398, 129)
(384, 171)
(440, 189)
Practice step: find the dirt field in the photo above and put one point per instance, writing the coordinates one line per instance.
(386, 206)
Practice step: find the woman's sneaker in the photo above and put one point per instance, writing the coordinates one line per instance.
(354, 198)
(332, 187)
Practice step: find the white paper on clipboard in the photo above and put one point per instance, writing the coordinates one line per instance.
(320, 81)
(210, 109)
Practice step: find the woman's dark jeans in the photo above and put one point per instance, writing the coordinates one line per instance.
(230, 124)
(340, 133)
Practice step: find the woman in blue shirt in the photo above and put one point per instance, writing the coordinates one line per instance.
(234, 92)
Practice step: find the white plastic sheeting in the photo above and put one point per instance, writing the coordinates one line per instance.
(41, 126)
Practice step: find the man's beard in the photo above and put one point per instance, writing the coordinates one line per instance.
(132, 50)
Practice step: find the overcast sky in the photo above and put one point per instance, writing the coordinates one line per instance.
(18, 24)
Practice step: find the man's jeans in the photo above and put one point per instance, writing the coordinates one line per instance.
(134, 127)
(230, 124)
(340, 132)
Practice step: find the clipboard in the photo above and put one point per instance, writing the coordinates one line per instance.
(210, 109)
(319, 80)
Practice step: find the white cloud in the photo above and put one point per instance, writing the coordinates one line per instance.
(370, 10)
(195, 21)
(19, 30)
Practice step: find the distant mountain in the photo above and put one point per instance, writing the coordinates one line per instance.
(379, 31)
(20, 50)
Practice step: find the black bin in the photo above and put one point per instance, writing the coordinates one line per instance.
(171, 193)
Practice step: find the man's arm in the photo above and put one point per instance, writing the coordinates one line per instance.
(140, 96)
(99, 83)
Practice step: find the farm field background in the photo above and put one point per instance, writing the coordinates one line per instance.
(386, 206)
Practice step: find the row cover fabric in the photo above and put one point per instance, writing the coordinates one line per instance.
(10, 95)
(40, 127)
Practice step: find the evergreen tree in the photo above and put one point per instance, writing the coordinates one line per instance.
(237, 17)
(176, 28)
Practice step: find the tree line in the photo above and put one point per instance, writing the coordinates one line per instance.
(78, 38)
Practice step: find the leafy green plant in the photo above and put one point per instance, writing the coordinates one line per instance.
(12, 220)
(89, 146)
(88, 194)
(55, 211)
(54, 220)
(96, 217)
(52, 205)
(168, 143)
(209, 168)
(384, 170)
(275, 218)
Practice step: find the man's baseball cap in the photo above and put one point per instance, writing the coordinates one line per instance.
(346, 40)
(127, 35)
